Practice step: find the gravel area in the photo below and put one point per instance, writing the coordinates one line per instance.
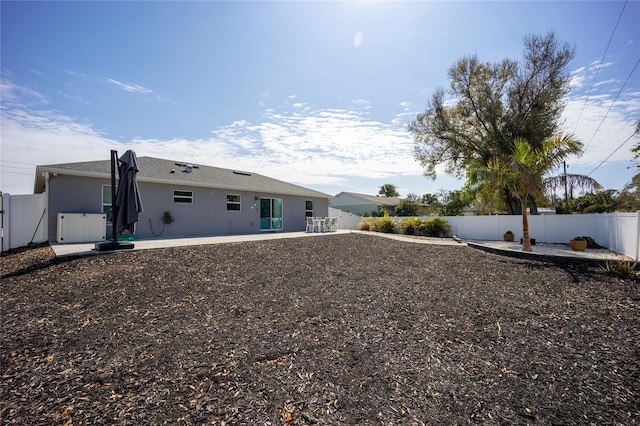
(341, 329)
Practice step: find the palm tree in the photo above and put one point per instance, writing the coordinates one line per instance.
(525, 174)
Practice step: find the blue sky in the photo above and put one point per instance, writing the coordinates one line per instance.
(315, 93)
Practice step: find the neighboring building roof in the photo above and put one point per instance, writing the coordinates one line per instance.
(378, 200)
(170, 172)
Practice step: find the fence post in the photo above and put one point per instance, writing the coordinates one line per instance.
(637, 235)
(4, 222)
(615, 234)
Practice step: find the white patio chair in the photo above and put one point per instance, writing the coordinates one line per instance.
(327, 224)
(309, 224)
(319, 223)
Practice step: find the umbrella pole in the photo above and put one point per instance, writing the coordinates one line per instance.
(114, 212)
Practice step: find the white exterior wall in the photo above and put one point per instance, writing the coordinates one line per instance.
(207, 216)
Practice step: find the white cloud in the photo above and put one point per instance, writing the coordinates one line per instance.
(14, 95)
(128, 87)
(603, 125)
(357, 39)
(329, 149)
(361, 102)
(324, 147)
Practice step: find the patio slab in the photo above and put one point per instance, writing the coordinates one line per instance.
(550, 251)
(83, 249)
(541, 251)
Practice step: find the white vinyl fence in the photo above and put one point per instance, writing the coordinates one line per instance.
(619, 232)
(23, 220)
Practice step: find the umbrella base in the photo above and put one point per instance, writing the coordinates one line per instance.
(111, 246)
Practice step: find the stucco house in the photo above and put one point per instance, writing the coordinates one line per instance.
(362, 204)
(181, 199)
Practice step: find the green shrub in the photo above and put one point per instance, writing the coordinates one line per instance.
(436, 227)
(386, 225)
(623, 268)
(410, 226)
(366, 224)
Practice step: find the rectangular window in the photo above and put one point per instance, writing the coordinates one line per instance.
(234, 202)
(183, 197)
(308, 208)
(106, 201)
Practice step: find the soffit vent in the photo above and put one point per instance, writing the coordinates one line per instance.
(241, 173)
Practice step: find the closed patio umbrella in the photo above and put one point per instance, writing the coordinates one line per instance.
(128, 203)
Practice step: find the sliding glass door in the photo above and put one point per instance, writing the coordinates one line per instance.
(270, 214)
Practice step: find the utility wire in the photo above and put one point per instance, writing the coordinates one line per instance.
(17, 167)
(599, 66)
(17, 162)
(17, 173)
(612, 103)
(609, 156)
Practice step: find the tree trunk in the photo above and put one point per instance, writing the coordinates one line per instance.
(526, 241)
(533, 207)
(512, 204)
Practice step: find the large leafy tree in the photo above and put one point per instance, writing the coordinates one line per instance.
(629, 198)
(454, 202)
(599, 202)
(408, 206)
(389, 190)
(489, 105)
(525, 173)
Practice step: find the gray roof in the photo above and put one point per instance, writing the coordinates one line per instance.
(170, 172)
(379, 200)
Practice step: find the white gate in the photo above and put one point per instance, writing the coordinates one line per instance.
(23, 220)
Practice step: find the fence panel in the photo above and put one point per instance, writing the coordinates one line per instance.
(623, 233)
(345, 220)
(562, 228)
(24, 220)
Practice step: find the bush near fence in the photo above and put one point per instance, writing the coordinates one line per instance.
(620, 232)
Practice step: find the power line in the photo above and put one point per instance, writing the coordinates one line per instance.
(3, 166)
(612, 103)
(609, 156)
(600, 65)
(18, 162)
(16, 173)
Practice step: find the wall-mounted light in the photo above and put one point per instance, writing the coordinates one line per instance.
(255, 198)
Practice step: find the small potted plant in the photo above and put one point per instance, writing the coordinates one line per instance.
(508, 236)
(578, 244)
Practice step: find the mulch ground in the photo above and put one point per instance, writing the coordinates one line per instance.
(339, 329)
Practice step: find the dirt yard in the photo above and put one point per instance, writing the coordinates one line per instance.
(335, 330)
